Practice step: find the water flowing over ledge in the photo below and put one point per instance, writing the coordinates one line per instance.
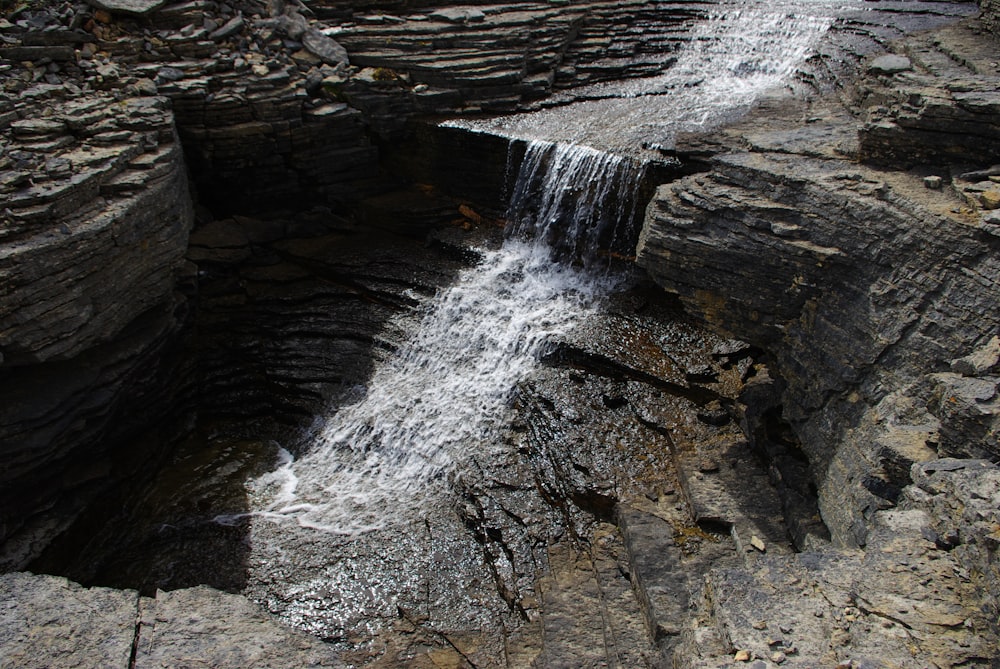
(442, 394)
(735, 55)
(376, 470)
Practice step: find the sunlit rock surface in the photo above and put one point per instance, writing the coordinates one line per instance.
(119, 629)
(875, 281)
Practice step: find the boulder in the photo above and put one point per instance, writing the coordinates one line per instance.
(134, 7)
(323, 47)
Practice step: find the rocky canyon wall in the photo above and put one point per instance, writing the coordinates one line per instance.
(873, 287)
(96, 221)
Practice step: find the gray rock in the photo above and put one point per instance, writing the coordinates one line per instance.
(232, 27)
(980, 361)
(458, 15)
(168, 74)
(48, 621)
(136, 7)
(890, 64)
(221, 630)
(325, 48)
(144, 86)
(294, 25)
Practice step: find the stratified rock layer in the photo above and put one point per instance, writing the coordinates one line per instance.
(94, 233)
(874, 291)
(875, 282)
(940, 109)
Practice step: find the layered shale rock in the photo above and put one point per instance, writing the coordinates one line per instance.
(880, 281)
(259, 90)
(874, 291)
(919, 595)
(95, 227)
(870, 291)
(937, 105)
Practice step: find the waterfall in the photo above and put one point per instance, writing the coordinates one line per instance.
(442, 394)
(361, 518)
(574, 199)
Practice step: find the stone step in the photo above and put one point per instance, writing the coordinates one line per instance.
(657, 573)
(726, 485)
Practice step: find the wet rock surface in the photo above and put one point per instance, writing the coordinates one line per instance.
(538, 531)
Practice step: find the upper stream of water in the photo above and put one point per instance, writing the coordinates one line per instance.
(743, 49)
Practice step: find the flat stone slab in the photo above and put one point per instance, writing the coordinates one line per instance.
(221, 630)
(128, 6)
(49, 621)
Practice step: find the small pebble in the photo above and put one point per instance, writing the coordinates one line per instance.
(760, 625)
(778, 657)
(742, 656)
(934, 182)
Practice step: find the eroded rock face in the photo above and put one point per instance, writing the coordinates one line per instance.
(874, 291)
(95, 229)
(876, 281)
(939, 111)
(94, 236)
(877, 605)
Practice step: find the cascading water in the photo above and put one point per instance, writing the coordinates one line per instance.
(443, 392)
(446, 388)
